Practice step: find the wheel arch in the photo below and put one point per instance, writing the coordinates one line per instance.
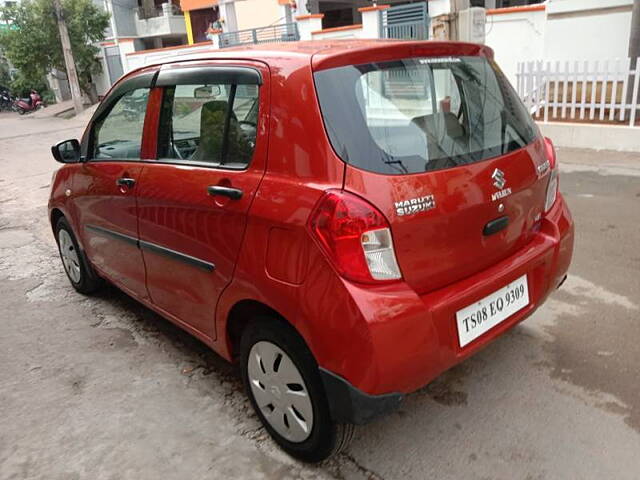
(55, 215)
(239, 316)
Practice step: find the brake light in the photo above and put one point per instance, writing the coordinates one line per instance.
(356, 238)
(552, 186)
(550, 151)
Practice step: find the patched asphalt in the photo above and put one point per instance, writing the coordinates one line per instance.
(100, 387)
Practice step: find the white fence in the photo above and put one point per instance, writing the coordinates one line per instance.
(603, 91)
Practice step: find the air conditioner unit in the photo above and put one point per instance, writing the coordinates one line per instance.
(471, 25)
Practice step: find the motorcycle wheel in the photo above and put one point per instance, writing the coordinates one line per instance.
(20, 111)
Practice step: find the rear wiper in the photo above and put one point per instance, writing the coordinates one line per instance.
(397, 162)
(388, 160)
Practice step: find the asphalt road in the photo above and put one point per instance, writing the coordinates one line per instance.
(102, 388)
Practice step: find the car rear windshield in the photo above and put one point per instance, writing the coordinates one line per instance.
(421, 114)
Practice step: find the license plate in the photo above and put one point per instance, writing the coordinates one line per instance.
(485, 314)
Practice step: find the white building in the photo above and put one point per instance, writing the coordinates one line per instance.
(518, 30)
(559, 30)
(136, 25)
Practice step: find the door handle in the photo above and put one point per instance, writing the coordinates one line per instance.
(232, 193)
(125, 182)
(494, 226)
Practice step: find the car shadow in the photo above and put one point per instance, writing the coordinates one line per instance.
(184, 348)
(433, 419)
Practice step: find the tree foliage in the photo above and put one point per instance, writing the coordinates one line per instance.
(33, 43)
(5, 77)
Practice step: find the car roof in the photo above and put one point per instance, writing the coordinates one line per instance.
(293, 49)
(326, 53)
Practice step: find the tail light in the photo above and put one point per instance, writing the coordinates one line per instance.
(356, 238)
(552, 186)
(550, 150)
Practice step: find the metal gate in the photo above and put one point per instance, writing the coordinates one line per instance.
(407, 22)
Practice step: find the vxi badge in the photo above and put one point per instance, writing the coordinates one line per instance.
(415, 205)
(499, 181)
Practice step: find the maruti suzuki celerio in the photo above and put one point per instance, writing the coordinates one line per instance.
(346, 220)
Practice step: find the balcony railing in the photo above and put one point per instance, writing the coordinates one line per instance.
(166, 9)
(284, 32)
(167, 20)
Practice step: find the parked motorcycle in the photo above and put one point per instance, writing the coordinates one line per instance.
(27, 105)
(6, 100)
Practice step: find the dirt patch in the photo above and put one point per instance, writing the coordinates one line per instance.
(590, 350)
(447, 388)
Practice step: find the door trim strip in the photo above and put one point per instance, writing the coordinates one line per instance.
(111, 233)
(183, 257)
(153, 247)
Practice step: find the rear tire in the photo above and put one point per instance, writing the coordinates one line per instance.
(282, 381)
(76, 265)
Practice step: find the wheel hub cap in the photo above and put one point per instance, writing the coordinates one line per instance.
(69, 255)
(280, 391)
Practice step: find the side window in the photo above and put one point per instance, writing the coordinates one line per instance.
(118, 135)
(212, 123)
(447, 91)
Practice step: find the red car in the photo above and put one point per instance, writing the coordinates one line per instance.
(347, 220)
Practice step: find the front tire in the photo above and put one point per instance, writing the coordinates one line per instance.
(282, 381)
(76, 265)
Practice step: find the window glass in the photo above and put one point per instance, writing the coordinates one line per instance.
(421, 114)
(209, 123)
(119, 134)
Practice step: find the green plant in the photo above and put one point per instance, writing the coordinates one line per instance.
(33, 44)
(5, 75)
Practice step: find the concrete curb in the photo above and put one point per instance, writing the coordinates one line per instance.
(597, 137)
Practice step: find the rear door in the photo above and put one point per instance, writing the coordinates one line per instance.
(104, 188)
(444, 148)
(194, 198)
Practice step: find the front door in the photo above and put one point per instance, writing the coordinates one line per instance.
(105, 188)
(193, 200)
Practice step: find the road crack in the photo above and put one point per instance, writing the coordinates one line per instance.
(366, 472)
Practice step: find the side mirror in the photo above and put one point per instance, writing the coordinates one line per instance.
(67, 151)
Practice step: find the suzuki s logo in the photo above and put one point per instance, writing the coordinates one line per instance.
(498, 179)
(499, 182)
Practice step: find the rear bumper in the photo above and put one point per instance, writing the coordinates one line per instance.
(348, 404)
(403, 341)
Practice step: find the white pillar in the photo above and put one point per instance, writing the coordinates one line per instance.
(307, 24)
(372, 21)
(215, 39)
(302, 7)
(286, 14)
(126, 46)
